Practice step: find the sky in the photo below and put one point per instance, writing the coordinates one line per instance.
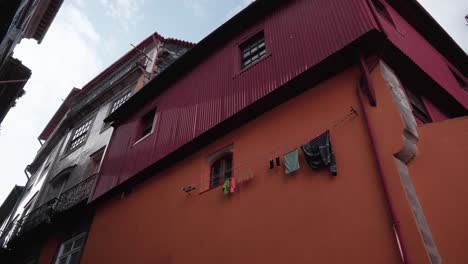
(88, 35)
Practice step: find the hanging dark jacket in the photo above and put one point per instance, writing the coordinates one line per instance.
(319, 153)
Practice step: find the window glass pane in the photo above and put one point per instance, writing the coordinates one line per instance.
(228, 166)
(63, 260)
(253, 49)
(78, 242)
(75, 258)
(68, 245)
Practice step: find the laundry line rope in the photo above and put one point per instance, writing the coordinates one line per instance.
(331, 125)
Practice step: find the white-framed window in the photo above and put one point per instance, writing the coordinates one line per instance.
(70, 250)
(120, 101)
(80, 134)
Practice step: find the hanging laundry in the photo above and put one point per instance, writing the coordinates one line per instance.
(319, 153)
(226, 187)
(291, 161)
(232, 184)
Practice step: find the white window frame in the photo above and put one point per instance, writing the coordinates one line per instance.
(61, 255)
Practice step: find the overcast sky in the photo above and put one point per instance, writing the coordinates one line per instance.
(88, 35)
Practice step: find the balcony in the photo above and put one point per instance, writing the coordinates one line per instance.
(45, 213)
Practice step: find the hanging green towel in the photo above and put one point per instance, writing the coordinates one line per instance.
(291, 161)
(226, 186)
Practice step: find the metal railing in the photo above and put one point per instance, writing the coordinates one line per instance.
(45, 213)
(75, 194)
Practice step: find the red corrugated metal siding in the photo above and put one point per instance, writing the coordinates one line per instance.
(421, 52)
(298, 36)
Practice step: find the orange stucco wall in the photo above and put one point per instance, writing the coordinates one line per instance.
(308, 217)
(49, 249)
(442, 187)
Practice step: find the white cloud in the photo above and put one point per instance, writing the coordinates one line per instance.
(451, 16)
(198, 7)
(66, 58)
(126, 12)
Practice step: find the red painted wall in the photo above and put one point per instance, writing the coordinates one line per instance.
(436, 114)
(297, 37)
(421, 52)
(308, 217)
(442, 187)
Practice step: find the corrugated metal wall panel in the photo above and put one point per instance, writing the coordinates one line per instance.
(298, 36)
(421, 52)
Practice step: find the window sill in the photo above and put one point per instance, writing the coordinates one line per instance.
(143, 138)
(240, 72)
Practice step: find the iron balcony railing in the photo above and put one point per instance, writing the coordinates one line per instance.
(75, 194)
(46, 212)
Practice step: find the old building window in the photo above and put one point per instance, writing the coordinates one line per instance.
(70, 250)
(95, 162)
(79, 135)
(147, 123)
(221, 170)
(120, 101)
(253, 49)
(57, 185)
(417, 104)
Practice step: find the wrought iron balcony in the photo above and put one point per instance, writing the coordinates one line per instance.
(46, 212)
(75, 194)
(42, 214)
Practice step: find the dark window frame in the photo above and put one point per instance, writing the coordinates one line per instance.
(70, 148)
(253, 50)
(221, 169)
(120, 99)
(147, 125)
(111, 109)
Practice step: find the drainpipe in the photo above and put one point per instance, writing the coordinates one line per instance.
(383, 177)
(155, 57)
(26, 172)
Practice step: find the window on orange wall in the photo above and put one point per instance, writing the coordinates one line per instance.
(70, 250)
(221, 170)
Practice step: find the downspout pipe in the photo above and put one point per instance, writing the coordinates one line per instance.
(383, 177)
(155, 60)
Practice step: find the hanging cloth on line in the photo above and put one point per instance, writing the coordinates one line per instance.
(291, 161)
(226, 186)
(319, 153)
(232, 184)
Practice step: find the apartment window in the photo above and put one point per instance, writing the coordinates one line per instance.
(147, 123)
(417, 104)
(95, 162)
(120, 101)
(253, 49)
(58, 184)
(70, 250)
(221, 170)
(79, 135)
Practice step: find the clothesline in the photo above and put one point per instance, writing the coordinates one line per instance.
(333, 124)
